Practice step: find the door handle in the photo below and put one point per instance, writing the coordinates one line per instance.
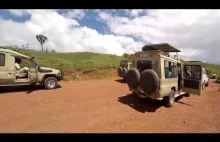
(10, 73)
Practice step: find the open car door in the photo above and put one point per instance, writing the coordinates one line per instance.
(192, 79)
(32, 72)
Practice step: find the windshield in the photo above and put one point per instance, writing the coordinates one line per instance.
(33, 64)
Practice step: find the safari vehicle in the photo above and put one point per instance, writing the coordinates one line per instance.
(123, 68)
(156, 74)
(35, 74)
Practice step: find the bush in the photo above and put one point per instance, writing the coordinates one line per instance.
(127, 56)
(218, 80)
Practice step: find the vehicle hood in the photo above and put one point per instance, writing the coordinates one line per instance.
(52, 70)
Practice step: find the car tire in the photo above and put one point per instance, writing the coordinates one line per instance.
(169, 100)
(50, 83)
(207, 84)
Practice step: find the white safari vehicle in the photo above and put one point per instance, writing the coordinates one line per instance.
(158, 75)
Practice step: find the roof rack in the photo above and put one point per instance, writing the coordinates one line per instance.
(164, 47)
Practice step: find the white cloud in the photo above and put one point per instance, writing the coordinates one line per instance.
(65, 35)
(189, 30)
(75, 14)
(194, 32)
(134, 12)
(18, 12)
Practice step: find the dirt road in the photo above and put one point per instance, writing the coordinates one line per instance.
(105, 106)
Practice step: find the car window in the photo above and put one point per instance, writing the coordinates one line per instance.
(192, 72)
(143, 65)
(170, 69)
(2, 59)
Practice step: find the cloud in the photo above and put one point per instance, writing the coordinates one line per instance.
(192, 31)
(135, 12)
(75, 14)
(18, 12)
(65, 35)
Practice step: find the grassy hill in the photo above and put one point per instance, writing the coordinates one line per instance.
(86, 64)
(79, 65)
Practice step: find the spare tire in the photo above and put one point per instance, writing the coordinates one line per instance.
(149, 81)
(133, 78)
(124, 72)
(120, 71)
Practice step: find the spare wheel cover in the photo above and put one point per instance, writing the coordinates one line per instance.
(133, 78)
(124, 72)
(120, 71)
(149, 81)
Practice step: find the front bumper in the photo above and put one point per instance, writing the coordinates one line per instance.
(60, 76)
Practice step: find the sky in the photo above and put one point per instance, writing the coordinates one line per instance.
(115, 31)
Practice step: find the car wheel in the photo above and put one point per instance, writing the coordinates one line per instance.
(207, 84)
(50, 83)
(169, 100)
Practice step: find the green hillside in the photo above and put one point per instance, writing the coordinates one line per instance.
(79, 60)
(85, 61)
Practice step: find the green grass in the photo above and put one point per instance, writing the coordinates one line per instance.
(86, 62)
(76, 61)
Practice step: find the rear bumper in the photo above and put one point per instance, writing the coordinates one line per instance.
(140, 93)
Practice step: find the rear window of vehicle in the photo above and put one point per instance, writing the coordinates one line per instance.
(144, 64)
(2, 59)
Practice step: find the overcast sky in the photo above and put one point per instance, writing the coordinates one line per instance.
(195, 32)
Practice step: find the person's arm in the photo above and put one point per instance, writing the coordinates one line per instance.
(17, 66)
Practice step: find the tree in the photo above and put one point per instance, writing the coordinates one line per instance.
(42, 39)
(54, 51)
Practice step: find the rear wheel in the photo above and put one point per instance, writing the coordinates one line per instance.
(169, 100)
(50, 83)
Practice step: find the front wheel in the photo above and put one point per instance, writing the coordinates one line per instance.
(207, 84)
(50, 83)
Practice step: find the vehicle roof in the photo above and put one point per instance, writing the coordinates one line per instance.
(165, 47)
(14, 52)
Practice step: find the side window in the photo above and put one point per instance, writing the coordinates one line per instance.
(170, 69)
(31, 64)
(2, 60)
